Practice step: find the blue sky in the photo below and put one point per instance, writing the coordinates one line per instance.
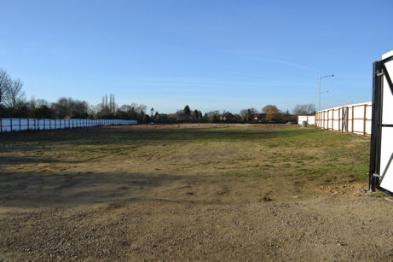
(212, 55)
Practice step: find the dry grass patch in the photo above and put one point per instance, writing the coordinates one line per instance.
(188, 192)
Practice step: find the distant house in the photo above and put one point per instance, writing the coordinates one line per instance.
(282, 118)
(260, 118)
(230, 118)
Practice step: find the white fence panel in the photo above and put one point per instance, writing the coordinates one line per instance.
(353, 118)
(309, 119)
(24, 124)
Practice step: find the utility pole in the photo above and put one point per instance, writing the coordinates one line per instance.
(319, 89)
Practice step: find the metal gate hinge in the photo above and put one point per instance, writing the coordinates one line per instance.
(377, 175)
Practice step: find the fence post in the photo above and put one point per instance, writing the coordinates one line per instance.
(328, 119)
(364, 119)
(334, 110)
(340, 122)
(342, 119)
(346, 119)
(353, 119)
(339, 119)
(11, 124)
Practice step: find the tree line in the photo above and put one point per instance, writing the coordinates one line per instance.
(14, 104)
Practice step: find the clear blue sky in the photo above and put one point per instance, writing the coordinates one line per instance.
(220, 54)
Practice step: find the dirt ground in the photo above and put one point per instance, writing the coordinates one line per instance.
(190, 192)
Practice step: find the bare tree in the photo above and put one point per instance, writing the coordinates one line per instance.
(306, 109)
(248, 114)
(112, 104)
(15, 94)
(5, 83)
(213, 116)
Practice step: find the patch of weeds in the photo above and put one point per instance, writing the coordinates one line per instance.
(245, 173)
(377, 194)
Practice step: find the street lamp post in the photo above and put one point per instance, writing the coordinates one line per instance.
(319, 89)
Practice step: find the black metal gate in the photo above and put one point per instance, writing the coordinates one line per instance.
(381, 153)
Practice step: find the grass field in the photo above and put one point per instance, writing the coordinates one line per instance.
(190, 192)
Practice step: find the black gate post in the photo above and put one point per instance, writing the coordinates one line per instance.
(376, 125)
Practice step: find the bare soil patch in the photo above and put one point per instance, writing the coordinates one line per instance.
(190, 192)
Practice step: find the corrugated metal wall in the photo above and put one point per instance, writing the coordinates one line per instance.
(353, 118)
(24, 124)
